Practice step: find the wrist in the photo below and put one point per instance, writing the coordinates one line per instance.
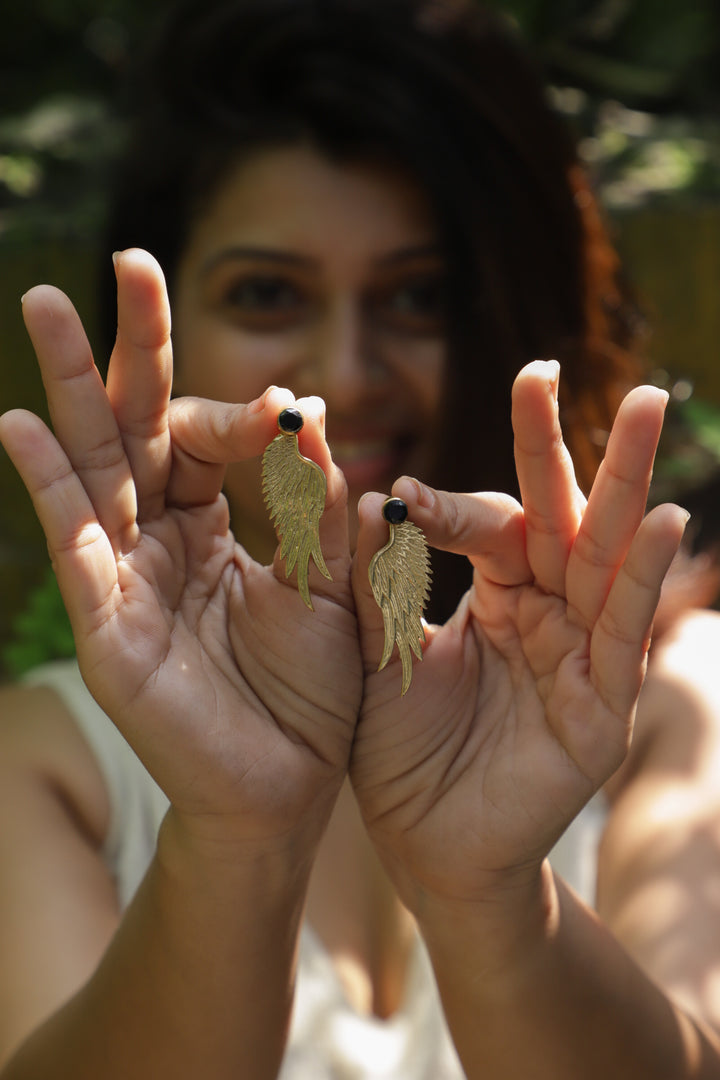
(204, 856)
(498, 933)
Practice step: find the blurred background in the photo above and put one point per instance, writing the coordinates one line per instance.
(639, 80)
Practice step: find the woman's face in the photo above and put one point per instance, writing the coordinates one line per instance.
(326, 279)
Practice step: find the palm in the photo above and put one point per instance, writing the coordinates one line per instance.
(524, 701)
(209, 664)
(213, 628)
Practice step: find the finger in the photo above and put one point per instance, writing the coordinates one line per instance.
(488, 528)
(209, 435)
(82, 557)
(616, 503)
(621, 637)
(551, 499)
(81, 414)
(140, 376)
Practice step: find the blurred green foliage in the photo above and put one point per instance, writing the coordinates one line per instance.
(649, 54)
(638, 79)
(40, 632)
(76, 47)
(61, 62)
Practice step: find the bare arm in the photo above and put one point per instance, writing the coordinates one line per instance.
(214, 671)
(58, 909)
(85, 1004)
(522, 707)
(659, 870)
(197, 980)
(534, 984)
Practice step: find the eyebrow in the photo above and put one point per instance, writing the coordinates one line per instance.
(280, 256)
(258, 254)
(407, 254)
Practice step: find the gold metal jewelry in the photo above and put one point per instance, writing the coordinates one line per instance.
(400, 580)
(294, 488)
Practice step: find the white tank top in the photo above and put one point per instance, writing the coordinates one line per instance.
(329, 1040)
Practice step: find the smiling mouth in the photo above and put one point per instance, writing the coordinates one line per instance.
(346, 453)
(370, 463)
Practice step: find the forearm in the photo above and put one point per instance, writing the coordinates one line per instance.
(549, 993)
(198, 980)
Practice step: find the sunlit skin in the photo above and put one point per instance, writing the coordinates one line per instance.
(327, 279)
(249, 709)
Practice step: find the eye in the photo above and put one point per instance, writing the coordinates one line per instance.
(413, 306)
(265, 301)
(262, 292)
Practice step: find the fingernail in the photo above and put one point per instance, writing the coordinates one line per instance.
(424, 496)
(554, 375)
(258, 404)
(116, 257)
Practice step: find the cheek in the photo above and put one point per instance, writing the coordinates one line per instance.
(219, 362)
(423, 370)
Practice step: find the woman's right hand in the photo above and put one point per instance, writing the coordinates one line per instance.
(210, 665)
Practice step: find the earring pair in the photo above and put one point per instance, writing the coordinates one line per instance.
(295, 488)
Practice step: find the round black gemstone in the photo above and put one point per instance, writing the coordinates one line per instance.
(290, 421)
(394, 511)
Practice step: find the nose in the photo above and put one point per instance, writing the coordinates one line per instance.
(344, 365)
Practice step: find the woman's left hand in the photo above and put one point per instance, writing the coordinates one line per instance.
(524, 702)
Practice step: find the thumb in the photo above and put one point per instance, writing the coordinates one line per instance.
(209, 435)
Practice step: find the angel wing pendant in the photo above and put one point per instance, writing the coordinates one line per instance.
(294, 488)
(400, 580)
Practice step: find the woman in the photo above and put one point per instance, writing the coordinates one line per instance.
(402, 246)
(447, 98)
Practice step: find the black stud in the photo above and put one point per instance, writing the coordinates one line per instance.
(290, 421)
(394, 511)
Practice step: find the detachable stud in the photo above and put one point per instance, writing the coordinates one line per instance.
(394, 511)
(290, 421)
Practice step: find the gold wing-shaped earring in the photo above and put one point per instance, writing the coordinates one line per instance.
(400, 580)
(294, 488)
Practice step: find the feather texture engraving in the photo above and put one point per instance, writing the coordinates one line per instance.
(294, 488)
(400, 580)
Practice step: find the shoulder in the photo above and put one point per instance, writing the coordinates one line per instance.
(683, 672)
(694, 635)
(41, 746)
(677, 730)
